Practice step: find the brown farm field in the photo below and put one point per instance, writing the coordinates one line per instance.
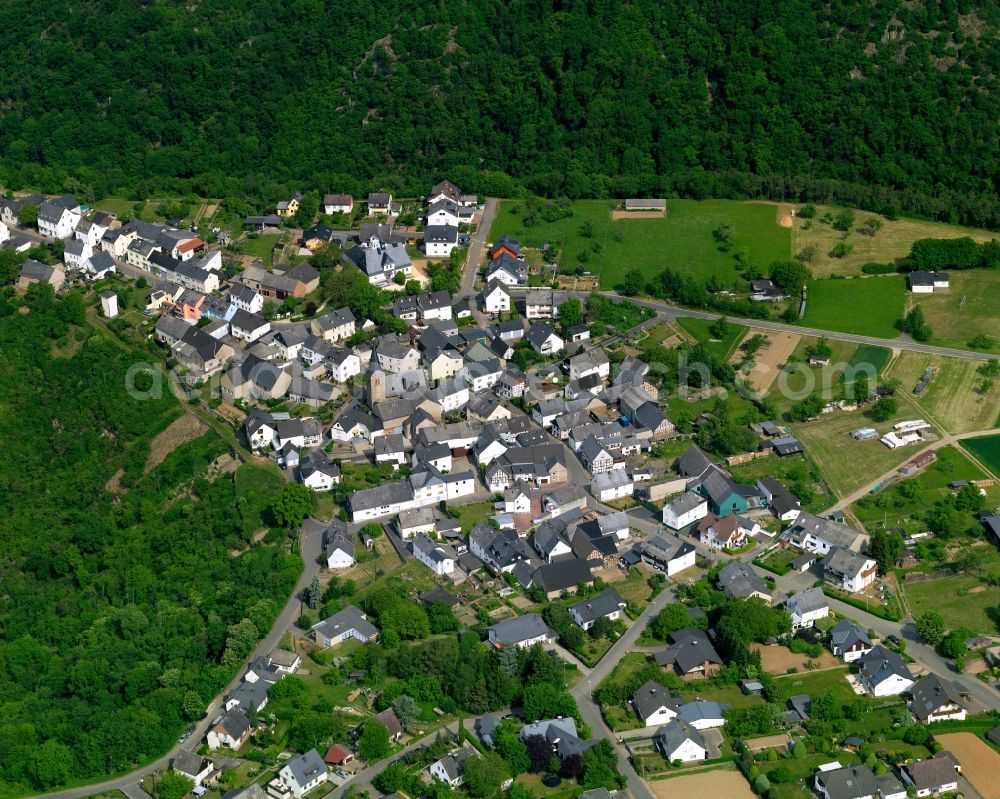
(954, 323)
(951, 398)
(716, 782)
(893, 240)
(980, 763)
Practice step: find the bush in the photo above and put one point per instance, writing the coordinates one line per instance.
(879, 269)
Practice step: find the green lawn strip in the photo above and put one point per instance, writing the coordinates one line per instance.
(470, 515)
(866, 307)
(683, 239)
(700, 330)
(960, 599)
(986, 449)
(819, 682)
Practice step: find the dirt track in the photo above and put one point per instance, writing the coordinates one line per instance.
(980, 764)
(717, 782)
(617, 215)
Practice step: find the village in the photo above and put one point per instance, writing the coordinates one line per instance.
(496, 470)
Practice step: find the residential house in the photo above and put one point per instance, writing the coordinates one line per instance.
(440, 240)
(507, 270)
(499, 550)
(687, 509)
(337, 204)
(75, 252)
(591, 362)
(379, 203)
(690, 654)
(303, 773)
(496, 298)
(560, 733)
(703, 714)
(667, 553)
(388, 719)
(338, 756)
(738, 580)
(607, 604)
(58, 218)
(540, 304)
(286, 209)
(819, 535)
(723, 495)
(849, 642)
(728, 532)
(396, 357)
(296, 281)
(231, 731)
(543, 339)
(521, 631)
(782, 502)
(316, 472)
(933, 776)
(319, 235)
(338, 546)
(765, 290)
(350, 623)
(391, 449)
(343, 364)
(609, 486)
(248, 326)
(848, 782)
(654, 704)
(450, 769)
(883, 672)
(99, 266)
(193, 766)
(933, 699)
(337, 325)
(505, 245)
(677, 740)
(849, 570)
(807, 607)
(439, 558)
(35, 272)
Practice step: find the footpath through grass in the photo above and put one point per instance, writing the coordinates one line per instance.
(682, 240)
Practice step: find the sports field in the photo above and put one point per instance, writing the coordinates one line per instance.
(952, 397)
(682, 240)
(868, 307)
(892, 241)
(987, 450)
(954, 322)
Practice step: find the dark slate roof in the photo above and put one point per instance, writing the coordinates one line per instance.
(520, 628)
(674, 733)
(932, 693)
(880, 664)
(651, 697)
(592, 608)
(693, 462)
(690, 649)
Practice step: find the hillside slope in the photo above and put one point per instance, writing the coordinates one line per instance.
(878, 104)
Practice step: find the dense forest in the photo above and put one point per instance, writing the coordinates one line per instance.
(889, 105)
(122, 611)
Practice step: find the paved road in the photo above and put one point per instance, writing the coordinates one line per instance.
(311, 541)
(476, 247)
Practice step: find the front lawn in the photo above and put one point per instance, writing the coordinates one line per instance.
(987, 450)
(869, 307)
(819, 682)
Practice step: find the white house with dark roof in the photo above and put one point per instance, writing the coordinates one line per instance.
(58, 218)
(304, 773)
(807, 607)
(819, 535)
(496, 297)
(677, 740)
(229, 732)
(607, 604)
(931, 777)
(543, 339)
(521, 631)
(193, 766)
(933, 699)
(439, 558)
(654, 704)
(450, 769)
(338, 546)
(849, 570)
(440, 240)
(848, 641)
(883, 673)
(350, 623)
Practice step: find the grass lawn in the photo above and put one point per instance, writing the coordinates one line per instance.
(683, 239)
(683, 411)
(869, 307)
(868, 355)
(790, 469)
(251, 477)
(819, 682)
(952, 397)
(471, 515)
(897, 505)
(893, 240)
(987, 450)
(699, 330)
(962, 600)
(953, 324)
(261, 246)
(635, 587)
(845, 463)
(115, 205)
(779, 561)
(533, 783)
(728, 694)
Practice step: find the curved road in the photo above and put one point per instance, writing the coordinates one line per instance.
(311, 541)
